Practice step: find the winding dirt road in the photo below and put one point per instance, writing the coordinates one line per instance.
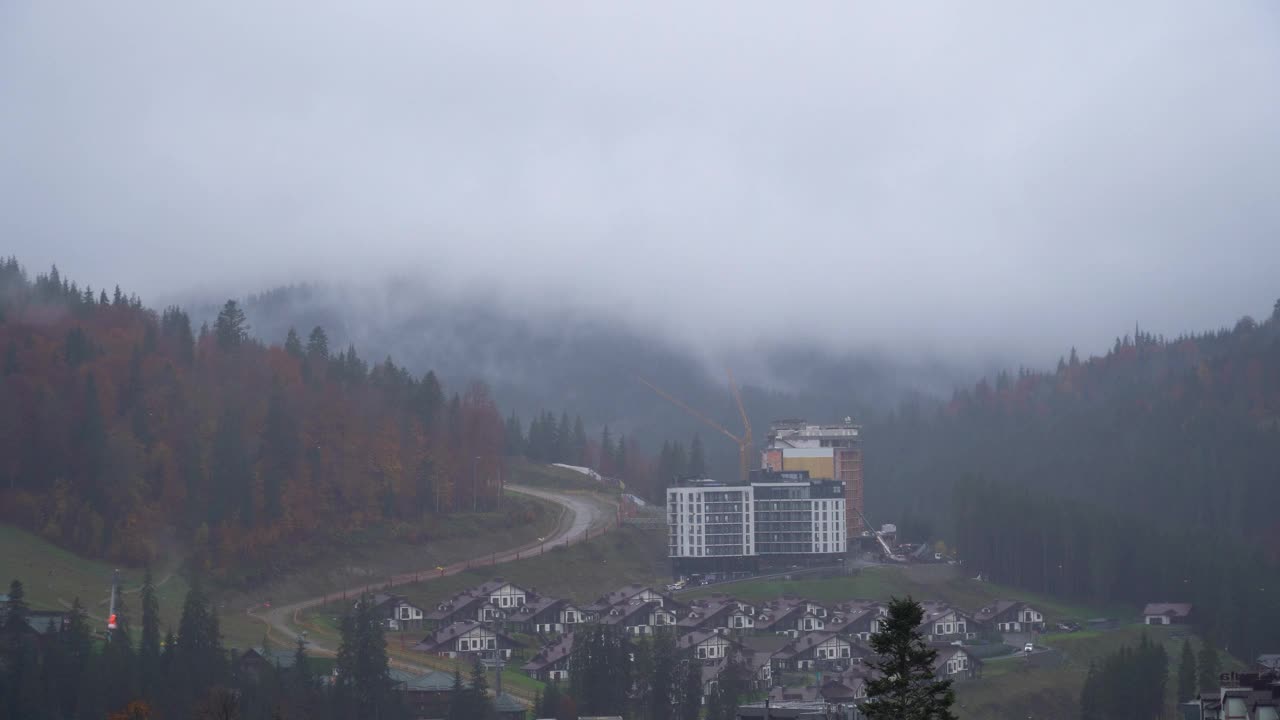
(580, 518)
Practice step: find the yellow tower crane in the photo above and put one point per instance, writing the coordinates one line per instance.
(743, 440)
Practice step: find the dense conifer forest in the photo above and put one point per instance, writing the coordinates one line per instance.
(119, 424)
(1150, 474)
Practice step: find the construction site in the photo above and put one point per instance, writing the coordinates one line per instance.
(801, 505)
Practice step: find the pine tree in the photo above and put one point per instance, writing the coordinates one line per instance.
(458, 698)
(579, 453)
(479, 703)
(17, 656)
(1209, 666)
(318, 344)
(564, 440)
(906, 688)
(691, 691)
(1187, 675)
(697, 463)
(149, 646)
(77, 653)
(231, 329)
(550, 704)
(279, 452)
(1091, 696)
(293, 344)
(662, 673)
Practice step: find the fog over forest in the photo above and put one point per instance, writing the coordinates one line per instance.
(992, 180)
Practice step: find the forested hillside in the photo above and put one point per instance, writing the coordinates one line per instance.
(1149, 474)
(118, 423)
(535, 357)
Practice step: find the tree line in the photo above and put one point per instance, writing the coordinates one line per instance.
(1089, 552)
(70, 671)
(117, 421)
(1130, 683)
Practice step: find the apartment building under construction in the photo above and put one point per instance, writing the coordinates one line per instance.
(830, 452)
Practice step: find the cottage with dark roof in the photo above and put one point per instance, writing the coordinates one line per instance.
(468, 637)
(1010, 616)
(396, 612)
(552, 661)
(638, 617)
(943, 623)
(818, 651)
(1166, 614)
(954, 662)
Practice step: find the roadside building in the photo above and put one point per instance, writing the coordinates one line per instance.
(824, 451)
(1166, 614)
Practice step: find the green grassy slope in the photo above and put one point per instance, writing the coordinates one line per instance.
(922, 582)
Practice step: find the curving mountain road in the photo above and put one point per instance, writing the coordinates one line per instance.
(580, 517)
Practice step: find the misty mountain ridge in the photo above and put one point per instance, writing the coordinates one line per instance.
(580, 360)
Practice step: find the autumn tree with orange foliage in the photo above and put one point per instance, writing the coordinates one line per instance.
(117, 422)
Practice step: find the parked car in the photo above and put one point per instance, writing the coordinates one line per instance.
(1069, 627)
(1029, 648)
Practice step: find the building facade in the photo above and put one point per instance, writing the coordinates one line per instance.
(826, 452)
(721, 526)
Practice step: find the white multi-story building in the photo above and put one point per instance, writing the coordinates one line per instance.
(716, 525)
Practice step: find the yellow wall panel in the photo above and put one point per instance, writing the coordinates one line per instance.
(820, 468)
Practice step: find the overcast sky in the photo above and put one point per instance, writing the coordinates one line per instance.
(916, 175)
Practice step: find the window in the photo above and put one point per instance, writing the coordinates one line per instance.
(844, 652)
(493, 643)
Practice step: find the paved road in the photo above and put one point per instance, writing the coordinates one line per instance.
(580, 517)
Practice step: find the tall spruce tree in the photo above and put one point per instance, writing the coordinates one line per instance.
(17, 656)
(1187, 675)
(690, 691)
(1209, 666)
(231, 329)
(1091, 695)
(149, 644)
(697, 462)
(906, 688)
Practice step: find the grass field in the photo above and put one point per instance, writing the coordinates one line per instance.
(922, 582)
(53, 577)
(1017, 688)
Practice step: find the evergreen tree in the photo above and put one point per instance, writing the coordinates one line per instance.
(90, 440)
(1187, 674)
(199, 660)
(663, 674)
(363, 674)
(579, 451)
(318, 344)
(149, 646)
(605, 465)
(691, 691)
(564, 440)
(279, 452)
(117, 677)
(458, 698)
(697, 463)
(293, 344)
(513, 436)
(231, 329)
(17, 655)
(1091, 696)
(479, 704)
(906, 688)
(1209, 666)
(550, 704)
(232, 480)
(77, 653)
